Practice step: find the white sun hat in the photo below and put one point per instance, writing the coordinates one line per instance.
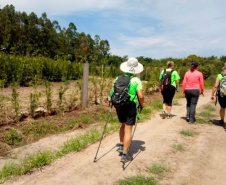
(132, 66)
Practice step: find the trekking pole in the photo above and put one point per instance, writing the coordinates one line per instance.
(109, 113)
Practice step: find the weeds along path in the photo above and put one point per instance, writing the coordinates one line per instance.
(201, 162)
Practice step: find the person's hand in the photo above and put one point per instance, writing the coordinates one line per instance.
(144, 104)
(212, 97)
(202, 94)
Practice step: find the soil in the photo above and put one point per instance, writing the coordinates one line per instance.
(202, 162)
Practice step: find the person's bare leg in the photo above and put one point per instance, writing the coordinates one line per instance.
(127, 137)
(121, 133)
(222, 113)
(169, 108)
(164, 107)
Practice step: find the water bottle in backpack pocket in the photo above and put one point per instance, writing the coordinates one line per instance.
(121, 97)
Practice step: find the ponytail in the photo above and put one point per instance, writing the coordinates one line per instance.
(193, 67)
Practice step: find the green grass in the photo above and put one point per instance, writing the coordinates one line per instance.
(188, 132)
(87, 119)
(206, 114)
(137, 180)
(9, 170)
(149, 109)
(178, 147)
(39, 159)
(157, 168)
(13, 137)
(45, 157)
(71, 123)
(203, 121)
(38, 130)
(175, 102)
(209, 108)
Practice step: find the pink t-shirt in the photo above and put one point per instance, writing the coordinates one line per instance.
(193, 80)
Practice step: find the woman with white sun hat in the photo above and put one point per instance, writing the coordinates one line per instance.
(127, 114)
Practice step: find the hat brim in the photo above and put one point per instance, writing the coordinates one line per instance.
(134, 70)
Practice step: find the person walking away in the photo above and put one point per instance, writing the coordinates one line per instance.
(127, 113)
(169, 80)
(220, 89)
(193, 80)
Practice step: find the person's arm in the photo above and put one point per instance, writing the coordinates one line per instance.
(140, 95)
(202, 84)
(215, 88)
(184, 83)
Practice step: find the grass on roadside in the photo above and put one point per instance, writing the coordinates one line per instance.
(179, 147)
(45, 157)
(149, 109)
(175, 102)
(39, 159)
(157, 168)
(205, 116)
(87, 119)
(137, 180)
(188, 132)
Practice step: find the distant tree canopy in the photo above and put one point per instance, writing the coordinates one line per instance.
(28, 35)
(27, 41)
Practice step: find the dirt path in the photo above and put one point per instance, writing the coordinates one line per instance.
(202, 162)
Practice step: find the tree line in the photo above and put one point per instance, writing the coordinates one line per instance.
(29, 35)
(34, 46)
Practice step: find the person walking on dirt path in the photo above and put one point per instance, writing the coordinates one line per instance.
(193, 80)
(127, 114)
(169, 80)
(220, 87)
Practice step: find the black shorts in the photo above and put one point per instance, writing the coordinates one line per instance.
(128, 114)
(168, 95)
(222, 101)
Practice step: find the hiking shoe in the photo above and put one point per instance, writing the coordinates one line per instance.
(163, 114)
(221, 123)
(126, 158)
(224, 125)
(120, 150)
(169, 116)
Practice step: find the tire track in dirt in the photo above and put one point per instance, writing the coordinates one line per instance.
(200, 163)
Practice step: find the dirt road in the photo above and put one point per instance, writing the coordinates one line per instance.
(202, 163)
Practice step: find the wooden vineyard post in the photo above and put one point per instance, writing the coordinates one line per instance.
(85, 81)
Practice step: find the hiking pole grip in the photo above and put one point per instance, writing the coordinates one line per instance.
(109, 113)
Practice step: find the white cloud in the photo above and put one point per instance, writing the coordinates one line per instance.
(66, 7)
(146, 30)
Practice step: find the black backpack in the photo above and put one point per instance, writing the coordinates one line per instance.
(166, 79)
(121, 97)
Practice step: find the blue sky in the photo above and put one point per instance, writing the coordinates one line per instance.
(149, 28)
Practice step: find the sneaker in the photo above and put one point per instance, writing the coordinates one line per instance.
(224, 125)
(169, 116)
(126, 158)
(120, 149)
(163, 114)
(221, 123)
